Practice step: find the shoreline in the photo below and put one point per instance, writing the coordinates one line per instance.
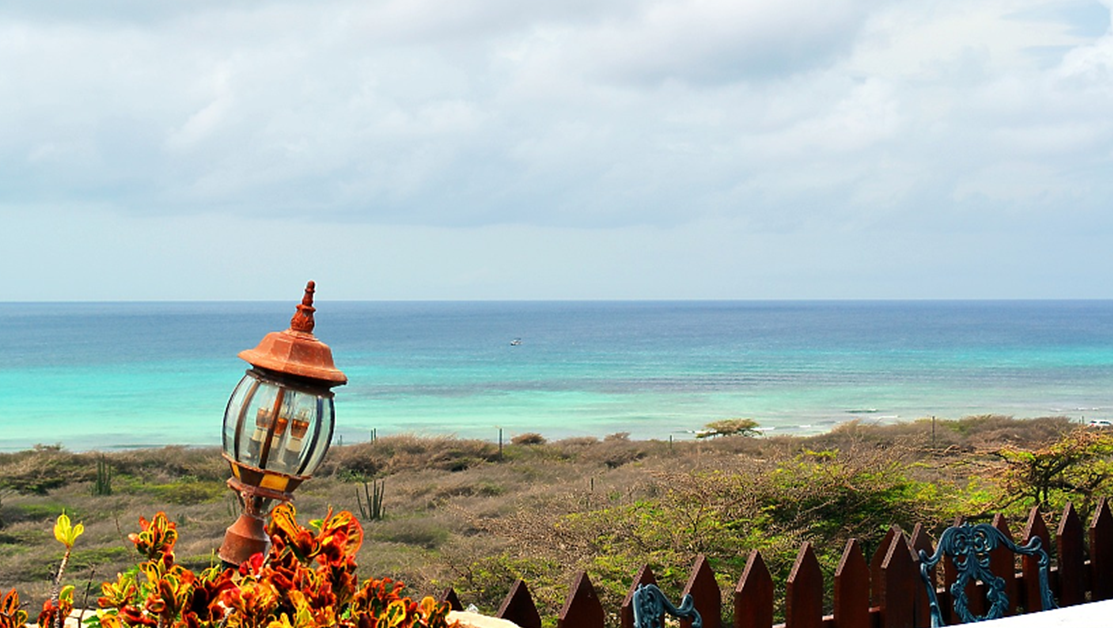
(863, 417)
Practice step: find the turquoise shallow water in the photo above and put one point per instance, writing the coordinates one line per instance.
(114, 375)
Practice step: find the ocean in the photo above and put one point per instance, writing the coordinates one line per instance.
(121, 375)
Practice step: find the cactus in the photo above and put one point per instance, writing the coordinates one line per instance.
(102, 485)
(371, 501)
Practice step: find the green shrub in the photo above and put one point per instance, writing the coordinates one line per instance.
(41, 511)
(188, 491)
(418, 531)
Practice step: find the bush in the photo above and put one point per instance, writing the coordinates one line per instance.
(38, 471)
(406, 452)
(420, 531)
(186, 492)
(529, 438)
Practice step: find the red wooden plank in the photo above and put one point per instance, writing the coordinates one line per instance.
(899, 582)
(1072, 584)
(626, 611)
(1002, 562)
(582, 608)
(1035, 527)
(852, 588)
(804, 596)
(705, 593)
(875, 565)
(1101, 553)
(518, 607)
(452, 599)
(921, 541)
(753, 596)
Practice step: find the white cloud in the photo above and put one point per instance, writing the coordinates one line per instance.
(851, 117)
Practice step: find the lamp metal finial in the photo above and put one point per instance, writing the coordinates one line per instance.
(303, 318)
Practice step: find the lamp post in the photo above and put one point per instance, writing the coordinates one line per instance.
(277, 426)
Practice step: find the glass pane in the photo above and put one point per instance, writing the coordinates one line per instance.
(232, 413)
(299, 419)
(257, 423)
(322, 434)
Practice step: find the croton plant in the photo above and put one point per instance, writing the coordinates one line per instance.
(306, 580)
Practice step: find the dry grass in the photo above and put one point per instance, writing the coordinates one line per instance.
(455, 508)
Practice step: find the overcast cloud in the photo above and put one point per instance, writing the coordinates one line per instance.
(577, 149)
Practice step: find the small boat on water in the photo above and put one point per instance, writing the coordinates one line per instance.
(515, 342)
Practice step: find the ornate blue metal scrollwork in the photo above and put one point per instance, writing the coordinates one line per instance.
(650, 606)
(969, 547)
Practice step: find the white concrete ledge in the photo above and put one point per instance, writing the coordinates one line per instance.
(475, 620)
(1090, 615)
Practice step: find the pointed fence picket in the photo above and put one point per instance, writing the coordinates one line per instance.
(875, 565)
(920, 541)
(852, 588)
(1003, 562)
(1068, 540)
(582, 608)
(1101, 553)
(705, 593)
(518, 607)
(753, 596)
(887, 592)
(804, 595)
(900, 578)
(1035, 527)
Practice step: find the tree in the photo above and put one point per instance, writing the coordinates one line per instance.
(1075, 467)
(729, 427)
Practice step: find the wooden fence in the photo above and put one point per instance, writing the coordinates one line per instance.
(886, 592)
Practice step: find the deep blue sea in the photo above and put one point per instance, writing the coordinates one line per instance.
(118, 375)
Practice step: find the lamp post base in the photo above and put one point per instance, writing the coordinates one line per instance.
(243, 539)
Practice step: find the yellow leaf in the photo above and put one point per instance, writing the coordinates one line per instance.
(395, 613)
(65, 532)
(281, 622)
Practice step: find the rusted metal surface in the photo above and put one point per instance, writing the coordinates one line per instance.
(296, 351)
(244, 539)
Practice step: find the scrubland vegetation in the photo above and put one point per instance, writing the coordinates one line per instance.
(463, 514)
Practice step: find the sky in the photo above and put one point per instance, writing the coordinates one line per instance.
(580, 149)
